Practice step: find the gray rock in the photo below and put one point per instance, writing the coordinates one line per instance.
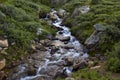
(99, 27)
(78, 11)
(63, 38)
(79, 63)
(58, 43)
(93, 39)
(95, 36)
(62, 13)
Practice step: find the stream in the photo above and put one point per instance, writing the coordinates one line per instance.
(68, 56)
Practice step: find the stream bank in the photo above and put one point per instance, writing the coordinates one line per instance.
(55, 57)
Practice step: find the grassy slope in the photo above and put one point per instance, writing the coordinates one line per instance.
(19, 20)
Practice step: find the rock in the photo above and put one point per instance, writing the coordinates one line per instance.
(69, 78)
(63, 38)
(99, 27)
(31, 71)
(43, 77)
(62, 13)
(90, 63)
(93, 39)
(95, 36)
(77, 11)
(69, 46)
(46, 42)
(40, 47)
(58, 43)
(53, 15)
(53, 50)
(2, 64)
(51, 70)
(84, 9)
(3, 43)
(95, 67)
(79, 63)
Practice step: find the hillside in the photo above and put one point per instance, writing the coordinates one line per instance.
(94, 23)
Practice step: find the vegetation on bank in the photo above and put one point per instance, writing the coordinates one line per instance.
(106, 12)
(19, 22)
(86, 74)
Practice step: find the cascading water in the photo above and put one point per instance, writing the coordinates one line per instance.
(75, 52)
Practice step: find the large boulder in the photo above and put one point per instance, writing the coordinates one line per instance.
(96, 35)
(62, 13)
(93, 39)
(78, 11)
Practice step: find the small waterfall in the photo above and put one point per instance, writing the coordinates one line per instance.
(75, 52)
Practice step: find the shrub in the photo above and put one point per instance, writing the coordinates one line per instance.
(113, 62)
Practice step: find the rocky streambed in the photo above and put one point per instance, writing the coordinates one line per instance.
(53, 58)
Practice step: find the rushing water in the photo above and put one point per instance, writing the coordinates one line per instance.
(74, 53)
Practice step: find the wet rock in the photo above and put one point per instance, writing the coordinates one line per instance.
(43, 77)
(62, 13)
(69, 60)
(53, 15)
(69, 46)
(52, 70)
(67, 71)
(2, 64)
(54, 49)
(63, 38)
(31, 71)
(58, 43)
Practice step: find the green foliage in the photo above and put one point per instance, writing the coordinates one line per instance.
(86, 74)
(19, 21)
(113, 62)
(95, 1)
(1, 1)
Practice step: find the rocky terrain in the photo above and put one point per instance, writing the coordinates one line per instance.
(59, 39)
